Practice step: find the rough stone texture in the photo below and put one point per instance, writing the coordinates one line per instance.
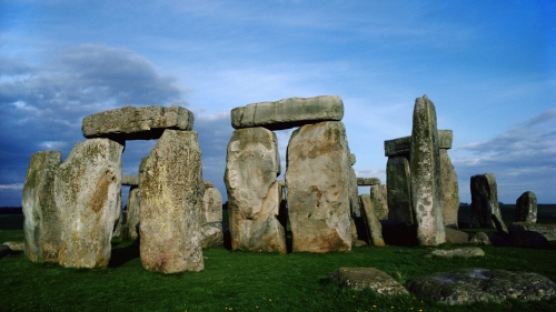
(288, 113)
(130, 180)
(15, 245)
(171, 192)
(402, 146)
(526, 208)
(445, 139)
(547, 230)
(368, 181)
(469, 286)
(317, 179)
(480, 238)
(467, 252)
(136, 123)
(380, 201)
(87, 196)
(398, 184)
(42, 223)
(354, 235)
(450, 192)
(372, 222)
(454, 236)
(133, 212)
(485, 211)
(425, 175)
(353, 194)
(368, 278)
(211, 217)
(254, 194)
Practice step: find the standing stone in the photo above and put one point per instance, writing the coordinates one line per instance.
(87, 195)
(254, 194)
(42, 220)
(318, 188)
(425, 174)
(171, 193)
(450, 193)
(379, 199)
(353, 190)
(133, 212)
(211, 217)
(373, 224)
(398, 183)
(484, 203)
(526, 208)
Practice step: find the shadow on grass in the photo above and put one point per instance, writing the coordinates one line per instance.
(124, 254)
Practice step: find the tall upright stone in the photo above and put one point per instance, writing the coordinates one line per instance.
(170, 180)
(211, 217)
(374, 226)
(485, 211)
(252, 166)
(133, 212)
(398, 183)
(318, 184)
(380, 202)
(526, 208)
(41, 225)
(425, 174)
(353, 189)
(87, 195)
(450, 192)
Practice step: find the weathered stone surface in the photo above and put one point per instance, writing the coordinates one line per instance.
(445, 139)
(373, 224)
(211, 217)
(254, 194)
(380, 201)
(425, 174)
(288, 113)
(354, 235)
(368, 278)
(398, 184)
(87, 196)
(547, 230)
(317, 179)
(485, 211)
(450, 192)
(469, 286)
(136, 123)
(15, 245)
(130, 180)
(526, 208)
(353, 194)
(171, 193)
(133, 212)
(480, 238)
(359, 243)
(402, 146)
(467, 252)
(368, 181)
(454, 236)
(42, 225)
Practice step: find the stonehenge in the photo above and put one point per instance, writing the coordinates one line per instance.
(526, 208)
(485, 211)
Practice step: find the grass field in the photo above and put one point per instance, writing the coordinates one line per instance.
(242, 281)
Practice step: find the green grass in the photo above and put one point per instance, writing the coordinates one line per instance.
(243, 281)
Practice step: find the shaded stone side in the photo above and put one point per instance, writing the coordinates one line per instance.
(254, 194)
(133, 212)
(398, 184)
(87, 195)
(41, 225)
(425, 174)
(171, 193)
(317, 179)
(485, 211)
(450, 193)
(526, 208)
(353, 194)
(373, 224)
(211, 217)
(380, 201)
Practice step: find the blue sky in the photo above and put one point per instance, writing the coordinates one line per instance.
(489, 66)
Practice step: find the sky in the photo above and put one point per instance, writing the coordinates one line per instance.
(489, 67)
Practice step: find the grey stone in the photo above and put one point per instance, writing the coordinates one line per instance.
(445, 139)
(474, 285)
(254, 194)
(547, 230)
(170, 180)
(87, 196)
(130, 180)
(450, 192)
(136, 123)
(526, 208)
(359, 243)
(368, 278)
(318, 183)
(353, 194)
(352, 159)
(368, 181)
(485, 211)
(454, 236)
(402, 146)
(380, 201)
(288, 113)
(133, 212)
(15, 245)
(372, 222)
(211, 217)
(42, 225)
(467, 252)
(480, 238)
(425, 175)
(398, 184)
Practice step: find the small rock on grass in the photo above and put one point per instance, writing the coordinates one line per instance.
(467, 252)
(15, 245)
(359, 278)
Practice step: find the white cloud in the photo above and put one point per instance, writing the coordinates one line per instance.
(11, 187)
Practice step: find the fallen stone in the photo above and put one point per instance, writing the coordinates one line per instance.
(469, 286)
(87, 196)
(368, 181)
(546, 230)
(368, 278)
(130, 180)
(288, 113)
(450, 191)
(317, 179)
(373, 224)
(467, 252)
(485, 212)
(42, 224)
(254, 194)
(480, 238)
(402, 146)
(526, 208)
(171, 194)
(136, 123)
(454, 236)
(380, 201)
(211, 217)
(359, 243)
(425, 175)
(133, 212)
(398, 184)
(15, 245)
